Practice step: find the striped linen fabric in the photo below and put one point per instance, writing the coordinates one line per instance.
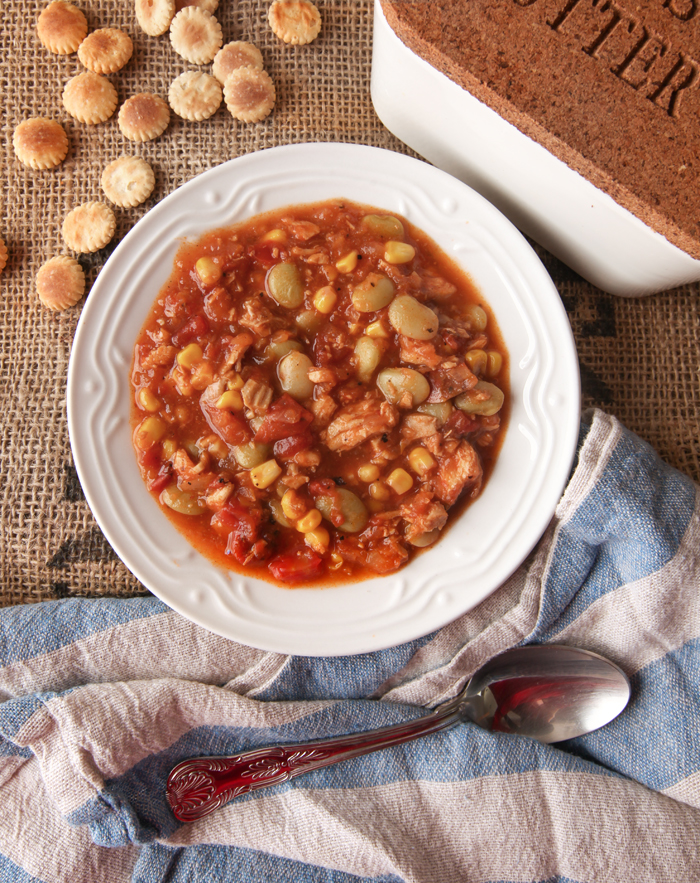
(99, 698)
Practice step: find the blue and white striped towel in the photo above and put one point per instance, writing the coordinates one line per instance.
(100, 698)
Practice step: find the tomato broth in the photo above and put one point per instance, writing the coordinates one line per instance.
(317, 393)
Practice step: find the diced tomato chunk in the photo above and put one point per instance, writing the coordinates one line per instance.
(286, 448)
(284, 417)
(458, 424)
(241, 526)
(233, 430)
(161, 481)
(266, 252)
(193, 329)
(299, 564)
(235, 517)
(246, 552)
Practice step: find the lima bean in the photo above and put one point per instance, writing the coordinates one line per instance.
(385, 226)
(373, 293)
(484, 398)
(180, 501)
(425, 539)
(368, 354)
(277, 513)
(412, 318)
(251, 454)
(283, 284)
(293, 372)
(280, 348)
(351, 506)
(440, 410)
(396, 382)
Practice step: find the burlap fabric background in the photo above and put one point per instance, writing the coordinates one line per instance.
(639, 358)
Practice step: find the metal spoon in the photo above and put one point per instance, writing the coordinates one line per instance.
(547, 692)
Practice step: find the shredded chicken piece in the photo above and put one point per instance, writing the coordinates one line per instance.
(382, 451)
(192, 476)
(323, 375)
(447, 382)
(257, 317)
(182, 382)
(308, 459)
(458, 470)
(257, 396)
(237, 348)
(219, 303)
(355, 423)
(323, 409)
(453, 325)
(433, 443)
(423, 513)
(312, 255)
(419, 352)
(415, 426)
(294, 481)
(302, 230)
(159, 356)
(479, 342)
(437, 287)
(395, 272)
(382, 556)
(217, 496)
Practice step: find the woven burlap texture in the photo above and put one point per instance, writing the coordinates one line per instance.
(639, 358)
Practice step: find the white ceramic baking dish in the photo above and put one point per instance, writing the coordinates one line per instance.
(541, 195)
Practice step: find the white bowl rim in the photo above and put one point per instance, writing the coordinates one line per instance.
(478, 553)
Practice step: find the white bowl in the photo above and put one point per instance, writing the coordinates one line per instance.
(542, 196)
(492, 537)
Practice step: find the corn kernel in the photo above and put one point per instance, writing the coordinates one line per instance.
(169, 447)
(190, 355)
(231, 400)
(235, 382)
(396, 252)
(368, 472)
(149, 432)
(400, 481)
(318, 540)
(379, 491)
(182, 414)
(310, 521)
(495, 363)
(208, 270)
(421, 461)
(476, 361)
(376, 329)
(336, 561)
(276, 235)
(325, 299)
(148, 401)
(347, 263)
(265, 474)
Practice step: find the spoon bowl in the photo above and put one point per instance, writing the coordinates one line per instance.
(548, 693)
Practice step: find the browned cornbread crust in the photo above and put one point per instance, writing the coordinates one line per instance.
(611, 88)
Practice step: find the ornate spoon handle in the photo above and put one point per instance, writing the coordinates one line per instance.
(199, 786)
